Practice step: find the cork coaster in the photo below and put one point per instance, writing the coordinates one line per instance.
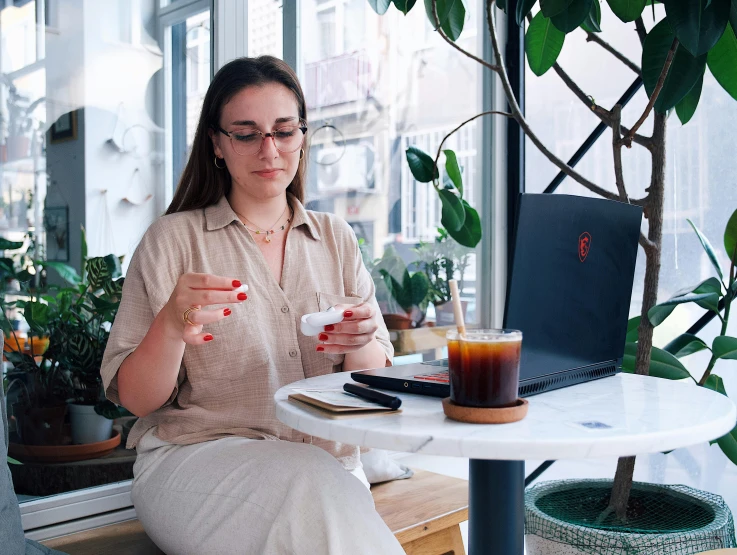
(474, 415)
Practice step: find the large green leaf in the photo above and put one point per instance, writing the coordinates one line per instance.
(715, 383)
(404, 6)
(662, 363)
(11, 460)
(660, 312)
(592, 23)
(733, 16)
(451, 14)
(688, 104)
(722, 61)
(698, 24)
(725, 347)
(633, 325)
(7, 245)
(709, 250)
(502, 5)
(730, 237)
(523, 8)
(453, 214)
(543, 43)
(710, 285)
(627, 10)
(37, 315)
(684, 345)
(469, 234)
(453, 170)
(551, 8)
(421, 165)
(67, 273)
(380, 6)
(573, 16)
(684, 72)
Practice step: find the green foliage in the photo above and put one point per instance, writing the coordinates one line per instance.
(543, 43)
(686, 108)
(443, 260)
(698, 24)
(458, 217)
(592, 23)
(573, 16)
(76, 320)
(627, 10)
(707, 294)
(685, 70)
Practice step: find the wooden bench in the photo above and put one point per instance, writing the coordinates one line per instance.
(424, 513)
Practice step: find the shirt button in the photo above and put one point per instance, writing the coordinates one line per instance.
(293, 353)
(285, 309)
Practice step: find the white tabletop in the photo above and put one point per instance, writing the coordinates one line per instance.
(616, 416)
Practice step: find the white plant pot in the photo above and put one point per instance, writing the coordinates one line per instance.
(87, 425)
(547, 535)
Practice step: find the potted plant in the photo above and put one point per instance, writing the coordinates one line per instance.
(442, 260)
(77, 343)
(698, 520)
(77, 320)
(403, 296)
(676, 52)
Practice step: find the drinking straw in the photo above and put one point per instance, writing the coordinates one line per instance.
(457, 311)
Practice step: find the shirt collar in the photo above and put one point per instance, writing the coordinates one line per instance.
(220, 215)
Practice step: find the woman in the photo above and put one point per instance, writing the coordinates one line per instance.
(199, 360)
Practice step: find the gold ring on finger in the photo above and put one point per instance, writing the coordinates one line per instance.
(186, 314)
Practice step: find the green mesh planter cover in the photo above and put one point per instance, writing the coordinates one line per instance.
(564, 518)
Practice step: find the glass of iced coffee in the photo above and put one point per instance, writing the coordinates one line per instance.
(484, 367)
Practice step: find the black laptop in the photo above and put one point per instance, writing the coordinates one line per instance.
(568, 292)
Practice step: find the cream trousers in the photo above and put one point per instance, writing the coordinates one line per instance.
(242, 496)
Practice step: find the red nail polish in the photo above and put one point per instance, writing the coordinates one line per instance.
(208, 337)
(227, 312)
(330, 327)
(348, 313)
(323, 337)
(320, 348)
(236, 283)
(242, 296)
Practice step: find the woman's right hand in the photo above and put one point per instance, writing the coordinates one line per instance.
(198, 291)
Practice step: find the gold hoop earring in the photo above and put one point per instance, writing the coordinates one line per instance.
(301, 153)
(216, 164)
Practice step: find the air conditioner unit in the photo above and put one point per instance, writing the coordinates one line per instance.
(353, 171)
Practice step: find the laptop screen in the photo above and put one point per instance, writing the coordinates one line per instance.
(571, 281)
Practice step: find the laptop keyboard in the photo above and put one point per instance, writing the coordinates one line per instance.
(437, 377)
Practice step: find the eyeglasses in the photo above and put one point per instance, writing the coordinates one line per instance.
(287, 138)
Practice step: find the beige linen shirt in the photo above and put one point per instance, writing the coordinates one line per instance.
(226, 387)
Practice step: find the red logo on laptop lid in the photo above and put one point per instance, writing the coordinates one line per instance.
(584, 245)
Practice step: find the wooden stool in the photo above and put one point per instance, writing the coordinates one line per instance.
(423, 512)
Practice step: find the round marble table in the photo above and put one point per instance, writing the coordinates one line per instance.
(612, 417)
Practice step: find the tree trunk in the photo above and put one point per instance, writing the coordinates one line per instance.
(654, 214)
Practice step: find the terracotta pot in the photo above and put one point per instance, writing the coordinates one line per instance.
(444, 315)
(40, 426)
(397, 322)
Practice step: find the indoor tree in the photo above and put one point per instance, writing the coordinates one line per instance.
(692, 36)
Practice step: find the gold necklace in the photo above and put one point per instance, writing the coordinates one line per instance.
(270, 231)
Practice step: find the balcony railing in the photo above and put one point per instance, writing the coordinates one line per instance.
(338, 80)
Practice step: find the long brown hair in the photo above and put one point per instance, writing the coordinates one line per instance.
(202, 184)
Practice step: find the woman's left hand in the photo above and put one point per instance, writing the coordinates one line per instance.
(357, 330)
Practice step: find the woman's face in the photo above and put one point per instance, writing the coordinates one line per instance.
(267, 173)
